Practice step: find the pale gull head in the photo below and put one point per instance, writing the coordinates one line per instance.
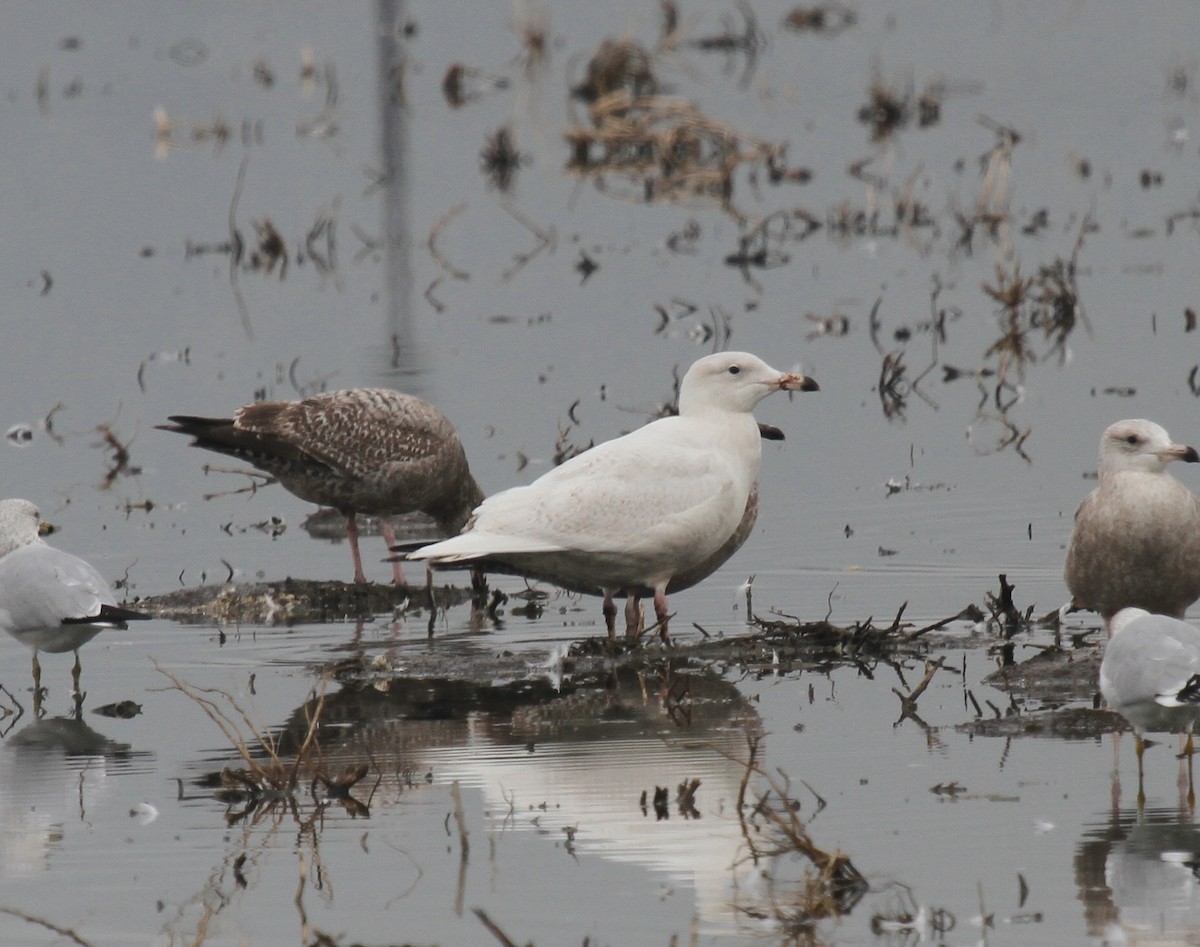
(655, 510)
(50, 600)
(20, 524)
(1138, 444)
(734, 381)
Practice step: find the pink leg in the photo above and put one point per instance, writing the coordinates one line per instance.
(1141, 749)
(352, 535)
(389, 536)
(660, 612)
(610, 616)
(633, 617)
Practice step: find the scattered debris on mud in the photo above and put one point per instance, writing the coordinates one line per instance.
(293, 601)
(775, 645)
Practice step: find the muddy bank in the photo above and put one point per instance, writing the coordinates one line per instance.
(295, 601)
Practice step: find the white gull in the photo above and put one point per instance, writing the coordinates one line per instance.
(1151, 671)
(50, 600)
(633, 514)
(1150, 675)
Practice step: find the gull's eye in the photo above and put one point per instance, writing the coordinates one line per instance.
(1132, 440)
(735, 370)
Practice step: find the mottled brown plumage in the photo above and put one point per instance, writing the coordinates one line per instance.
(359, 450)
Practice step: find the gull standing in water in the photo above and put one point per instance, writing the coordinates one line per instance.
(359, 450)
(632, 515)
(1136, 540)
(1150, 675)
(50, 600)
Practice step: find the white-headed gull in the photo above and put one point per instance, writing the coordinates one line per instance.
(637, 513)
(50, 600)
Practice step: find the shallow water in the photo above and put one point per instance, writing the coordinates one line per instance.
(115, 318)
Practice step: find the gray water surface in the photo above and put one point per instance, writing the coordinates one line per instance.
(407, 267)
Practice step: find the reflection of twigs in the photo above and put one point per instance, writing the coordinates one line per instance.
(460, 820)
(48, 423)
(16, 712)
(874, 325)
(274, 779)
(306, 389)
(325, 226)
(838, 885)
(238, 246)
(892, 387)
(119, 463)
(224, 721)
(752, 745)
(938, 333)
(749, 42)
(545, 238)
(464, 847)
(323, 125)
(1084, 227)
(420, 874)
(433, 300)
(431, 242)
(369, 246)
(908, 702)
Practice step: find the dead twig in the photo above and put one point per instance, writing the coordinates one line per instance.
(493, 928)
(257, 479)
(908, 702)
(42, 922)
(546, 239)
(431, 242)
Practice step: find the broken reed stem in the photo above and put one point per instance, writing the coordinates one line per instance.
(752, 744)
(931, 668)
(460, 819)
(42, 922)
(831, 865)
(310, 737)
(493, 928)
(908, 702)
(431, 242)
(226, 725)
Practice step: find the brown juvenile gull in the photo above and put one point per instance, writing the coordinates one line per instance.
(359, 450)
(634, 514)
(50, 600)
(1136, 541)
